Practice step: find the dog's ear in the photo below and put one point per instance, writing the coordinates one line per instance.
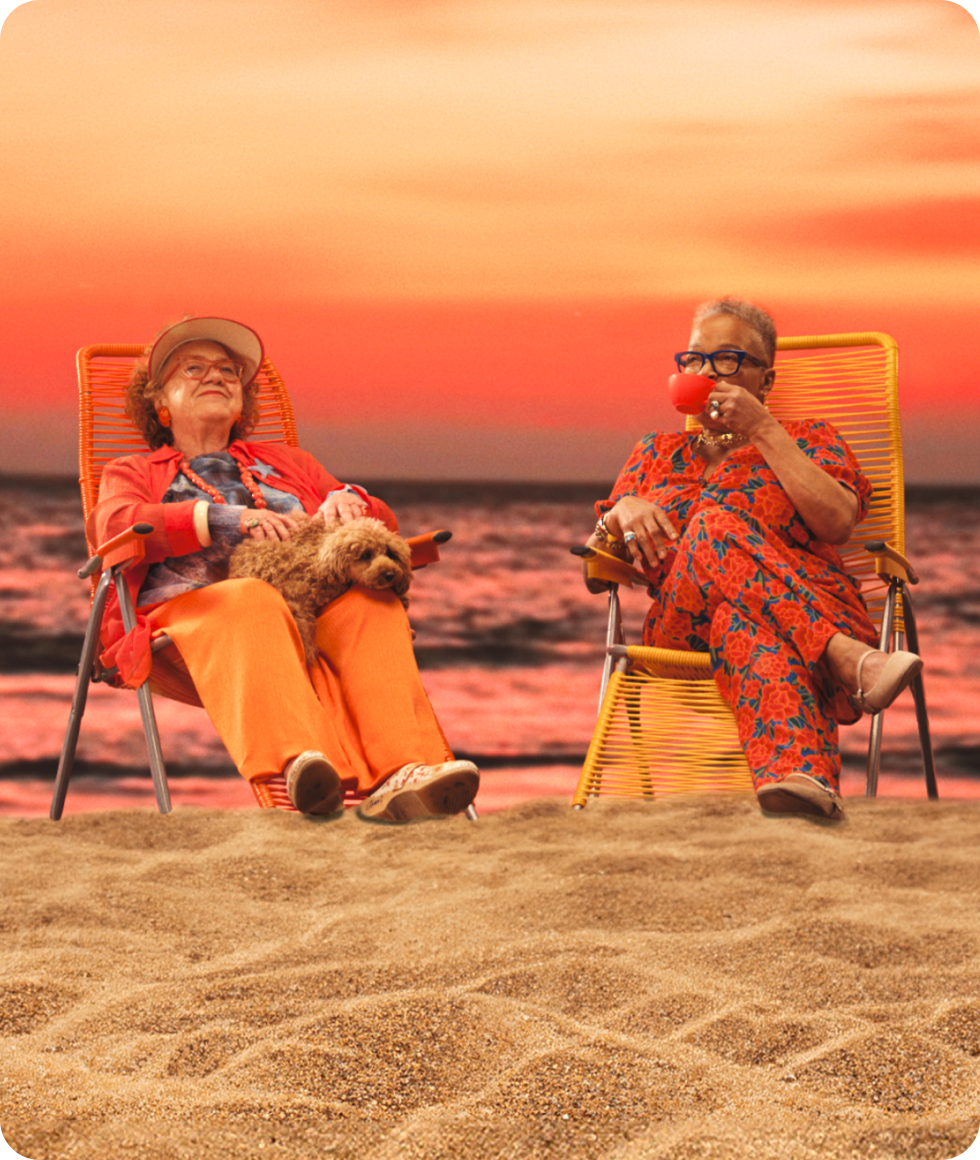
(331, 563)
(398, 550)
(341, 551)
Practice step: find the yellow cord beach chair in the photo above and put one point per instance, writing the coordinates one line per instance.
(663, 727)
(105, 433)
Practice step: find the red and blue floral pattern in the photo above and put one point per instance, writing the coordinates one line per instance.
(748, 582)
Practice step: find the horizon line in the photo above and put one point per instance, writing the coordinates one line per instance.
(540, 486)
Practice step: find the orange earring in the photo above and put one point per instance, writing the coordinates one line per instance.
(164, 417)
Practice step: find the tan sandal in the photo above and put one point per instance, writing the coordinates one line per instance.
(798, 793)
(899, 672)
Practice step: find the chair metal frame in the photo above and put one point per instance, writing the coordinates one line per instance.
(807, 386)
(105, 433)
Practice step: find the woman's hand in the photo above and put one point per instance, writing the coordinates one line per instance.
(262, 524)
(827, 507)
(645, 527)
(737, 410)
(342, 506)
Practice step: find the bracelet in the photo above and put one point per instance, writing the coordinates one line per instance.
(606, 535)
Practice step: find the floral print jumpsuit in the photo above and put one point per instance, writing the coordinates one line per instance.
(748, 582)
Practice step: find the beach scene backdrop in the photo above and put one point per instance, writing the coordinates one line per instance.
(471, 234)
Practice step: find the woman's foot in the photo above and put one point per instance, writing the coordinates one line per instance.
(422, 791)
(886, 677)
(858, 667)
(798, 793)
(313, 784)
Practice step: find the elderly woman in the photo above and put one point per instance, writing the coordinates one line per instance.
(358, 719)
(735, 527)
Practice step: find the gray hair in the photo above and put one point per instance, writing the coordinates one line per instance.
(755, 316)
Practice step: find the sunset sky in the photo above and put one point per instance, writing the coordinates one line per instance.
(471, 232)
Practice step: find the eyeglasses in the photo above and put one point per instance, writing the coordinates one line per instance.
(723, 362)
(192, 367)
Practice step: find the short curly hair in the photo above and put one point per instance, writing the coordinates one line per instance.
(760, 321)
(141, 408)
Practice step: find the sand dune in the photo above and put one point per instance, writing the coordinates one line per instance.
(681, 980)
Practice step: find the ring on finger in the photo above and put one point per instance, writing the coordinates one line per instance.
(253, 524)
(629, 537)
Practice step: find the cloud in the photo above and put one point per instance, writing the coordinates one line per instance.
(926, 130)
(946, 227)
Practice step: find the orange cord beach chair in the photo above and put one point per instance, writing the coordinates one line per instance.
(663, 726)
(105, 433)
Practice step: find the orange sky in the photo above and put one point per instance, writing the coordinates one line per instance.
(472, 232)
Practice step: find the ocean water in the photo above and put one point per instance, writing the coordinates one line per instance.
(509, 644)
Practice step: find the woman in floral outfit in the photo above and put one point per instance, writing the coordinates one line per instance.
(735, 528)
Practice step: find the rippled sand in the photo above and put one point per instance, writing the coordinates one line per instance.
(680, 980)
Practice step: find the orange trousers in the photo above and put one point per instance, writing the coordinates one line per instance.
(240, 657)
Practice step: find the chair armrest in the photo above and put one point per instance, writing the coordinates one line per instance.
(890, 562)
(599, 565)
(425, 548)
(132, 537)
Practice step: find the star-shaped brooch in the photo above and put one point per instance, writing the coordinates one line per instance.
(263, 469)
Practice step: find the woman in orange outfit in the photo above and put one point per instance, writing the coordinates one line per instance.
(358, 719)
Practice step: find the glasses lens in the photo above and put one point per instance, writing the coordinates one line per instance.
(727, 362)
(690, 360)
(197, 368)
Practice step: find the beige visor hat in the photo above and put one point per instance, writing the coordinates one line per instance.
(242, 343)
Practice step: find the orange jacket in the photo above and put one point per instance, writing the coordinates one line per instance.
(131, 492)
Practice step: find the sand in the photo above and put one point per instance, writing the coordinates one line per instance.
(679, 980)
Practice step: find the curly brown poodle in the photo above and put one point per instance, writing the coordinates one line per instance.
(320, 562)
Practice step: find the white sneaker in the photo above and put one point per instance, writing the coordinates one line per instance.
(313, 784)
(423, 791)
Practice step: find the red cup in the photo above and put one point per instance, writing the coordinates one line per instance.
(689, 393)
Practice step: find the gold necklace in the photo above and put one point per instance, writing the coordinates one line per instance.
(728, 439)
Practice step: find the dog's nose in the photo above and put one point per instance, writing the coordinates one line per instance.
(389, 575)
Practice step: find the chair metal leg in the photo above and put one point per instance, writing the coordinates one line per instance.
(614, 635)
(877, 721)
(472, 814)
(152, 734)
(89, 646)
(874, 756)
(919, 696)
(157, 770)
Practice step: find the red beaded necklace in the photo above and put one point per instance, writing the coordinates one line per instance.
(247, 479)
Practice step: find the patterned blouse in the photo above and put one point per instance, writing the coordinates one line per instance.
(667, 470)
(179, 574)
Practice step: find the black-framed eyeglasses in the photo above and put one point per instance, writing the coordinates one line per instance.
(723, 362)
